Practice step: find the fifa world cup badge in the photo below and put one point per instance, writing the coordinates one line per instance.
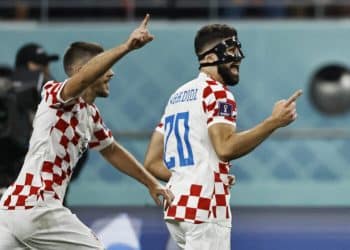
(225, 109)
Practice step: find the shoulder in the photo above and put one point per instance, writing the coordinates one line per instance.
(51, 84)
(216, 90)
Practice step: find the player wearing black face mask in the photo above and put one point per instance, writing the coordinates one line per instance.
(196, 139)
(229, 56)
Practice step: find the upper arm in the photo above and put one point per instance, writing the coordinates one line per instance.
(73, 87)
(154, 162)
(155, 150)
(219, 134)
(108, 151)
(220, 108)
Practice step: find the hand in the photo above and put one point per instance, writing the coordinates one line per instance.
(140, 36)
(284, 111)
(159, 190)
(231, 180)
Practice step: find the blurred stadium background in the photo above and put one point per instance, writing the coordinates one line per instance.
(293, 191)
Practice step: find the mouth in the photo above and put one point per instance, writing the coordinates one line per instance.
(106, 84)
(234, 68)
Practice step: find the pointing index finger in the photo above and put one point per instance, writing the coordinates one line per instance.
(145, 21)
(294, 97)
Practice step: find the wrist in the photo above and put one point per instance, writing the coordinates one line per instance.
(271, 123)
(126, 46)
(151, 182)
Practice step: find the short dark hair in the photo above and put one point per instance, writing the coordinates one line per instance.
(80, 52)
(212, 33)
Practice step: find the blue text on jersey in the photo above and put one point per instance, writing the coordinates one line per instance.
(184, 96)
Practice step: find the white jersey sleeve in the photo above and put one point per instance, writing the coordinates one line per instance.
(51, 94)
(102, 136)
(219, 104)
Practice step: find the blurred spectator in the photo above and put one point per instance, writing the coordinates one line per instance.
(5, 78)
(21, 10)
(64, 10)
(129, 6)
(253, 9)
(11, 148)
(31, 57)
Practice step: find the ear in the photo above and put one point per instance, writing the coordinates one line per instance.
(78, 68)
(32, 66)
(74, 69)
(211, 57)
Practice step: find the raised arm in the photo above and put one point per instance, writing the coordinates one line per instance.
(230, 145)
(99, 64)
(122, 160)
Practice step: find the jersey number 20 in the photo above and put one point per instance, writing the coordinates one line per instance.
(178, 124)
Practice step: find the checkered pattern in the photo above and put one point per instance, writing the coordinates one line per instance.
(221, 196)
(193, 207)
(50, 94)
(101, 133)
(213, 94)
(201, 190)
(61, 134)
(20, 193)
(190, 207)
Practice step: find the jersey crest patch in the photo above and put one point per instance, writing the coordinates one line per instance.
(225, 109)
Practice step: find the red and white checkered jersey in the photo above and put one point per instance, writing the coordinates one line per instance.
(62, 131)
(199, 179)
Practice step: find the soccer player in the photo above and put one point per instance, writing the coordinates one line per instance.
(66, 123)
(32, 60)
(196, 139)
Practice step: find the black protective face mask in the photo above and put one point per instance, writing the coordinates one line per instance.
(221, 52)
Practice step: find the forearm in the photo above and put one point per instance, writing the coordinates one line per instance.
(122, 160)
(99, 64)
(230, 145)
(159, 171)
(240, 144)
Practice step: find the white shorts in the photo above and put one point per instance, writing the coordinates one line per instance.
(204, 236)
(46, 228)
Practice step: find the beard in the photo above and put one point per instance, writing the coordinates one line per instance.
(100, 89)
(227, 76)
(102, 94)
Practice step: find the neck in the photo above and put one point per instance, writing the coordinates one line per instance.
(88, 96)
(212, 72)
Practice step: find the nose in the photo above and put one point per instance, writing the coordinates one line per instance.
(237, 51)
(110, 73)
(238, 54)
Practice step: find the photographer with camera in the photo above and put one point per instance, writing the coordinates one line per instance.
(13, 129)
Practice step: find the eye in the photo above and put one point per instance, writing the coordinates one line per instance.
(231, 50)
